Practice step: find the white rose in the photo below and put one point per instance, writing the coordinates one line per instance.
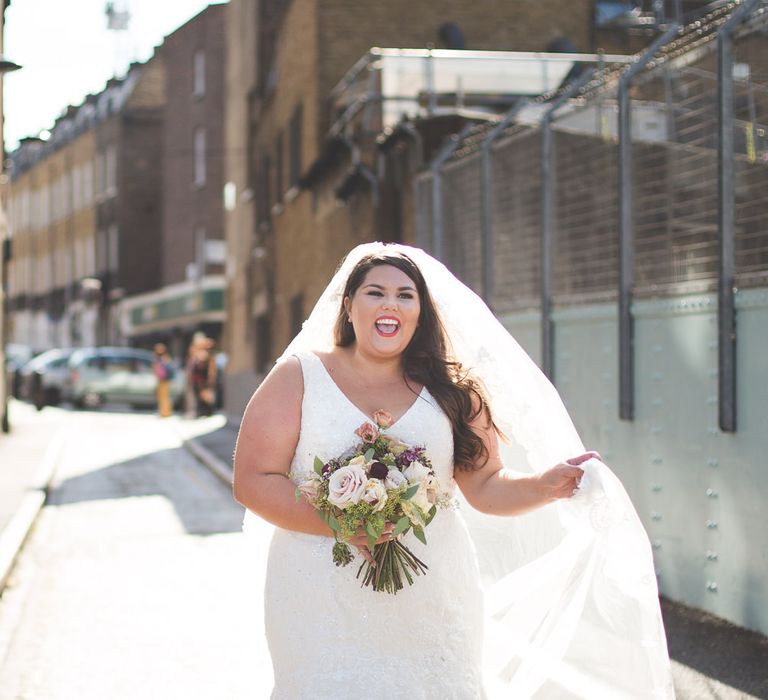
(394, 479)
(346, 486)
(375, 493)
(421, 499)
(358, 461)
(417, 473)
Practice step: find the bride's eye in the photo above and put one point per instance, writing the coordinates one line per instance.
(406, 295)
(374, 293)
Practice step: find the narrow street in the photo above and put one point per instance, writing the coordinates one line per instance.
(135, 582)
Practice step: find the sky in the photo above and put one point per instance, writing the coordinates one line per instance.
(66, 52)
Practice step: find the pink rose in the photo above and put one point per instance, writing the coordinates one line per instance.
(310, 489)
(383, 419)
(367, 432)
(346, 486)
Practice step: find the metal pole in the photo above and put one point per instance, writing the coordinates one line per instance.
(726, 311)
(437, 191)
(626, 243)
(486, 194)
(547, 226)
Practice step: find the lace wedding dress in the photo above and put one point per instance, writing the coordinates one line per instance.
(569, 606)
(330, 638)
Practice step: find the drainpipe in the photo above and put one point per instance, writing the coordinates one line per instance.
(626, 246)
(547, 227)
(487, 199)
(726, 311)
(443, 155)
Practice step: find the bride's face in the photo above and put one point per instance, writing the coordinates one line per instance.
(384, 311)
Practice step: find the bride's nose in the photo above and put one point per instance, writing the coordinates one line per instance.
(390, 304)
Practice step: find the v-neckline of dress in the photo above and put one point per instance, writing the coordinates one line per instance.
(349, 401)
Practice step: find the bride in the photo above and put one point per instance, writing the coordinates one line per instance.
(559, 603)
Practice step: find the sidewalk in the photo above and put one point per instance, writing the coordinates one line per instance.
(711, 658)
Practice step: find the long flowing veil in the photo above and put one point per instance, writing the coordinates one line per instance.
(571, 596)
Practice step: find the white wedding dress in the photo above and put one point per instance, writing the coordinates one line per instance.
(568, 608)
(331, 639)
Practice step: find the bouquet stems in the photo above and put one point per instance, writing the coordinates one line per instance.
(393, 561)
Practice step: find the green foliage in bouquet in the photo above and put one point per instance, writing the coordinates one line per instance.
(380, 482)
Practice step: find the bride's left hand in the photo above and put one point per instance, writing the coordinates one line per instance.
(562, 480)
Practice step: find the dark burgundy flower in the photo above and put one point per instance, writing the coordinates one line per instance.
(379, 470)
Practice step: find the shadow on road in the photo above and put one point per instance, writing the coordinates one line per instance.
(717, 649)
(203, 504)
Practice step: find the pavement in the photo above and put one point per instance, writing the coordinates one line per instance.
(135, 581)
(711, 658)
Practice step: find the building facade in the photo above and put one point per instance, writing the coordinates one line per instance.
(85, 209)
(190, 249)
(308, 195)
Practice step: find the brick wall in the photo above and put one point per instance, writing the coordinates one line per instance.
(191, 207)
(318, 42)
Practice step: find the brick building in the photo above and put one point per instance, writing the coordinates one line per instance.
(309, 193)
(85, 208)
(190, 249)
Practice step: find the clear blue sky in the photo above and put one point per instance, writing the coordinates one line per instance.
(66, 52)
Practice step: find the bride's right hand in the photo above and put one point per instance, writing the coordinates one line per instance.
(360, 540)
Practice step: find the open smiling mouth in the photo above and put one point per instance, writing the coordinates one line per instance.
(387, 326)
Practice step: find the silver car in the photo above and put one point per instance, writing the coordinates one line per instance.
(43, 378)
(116, 375)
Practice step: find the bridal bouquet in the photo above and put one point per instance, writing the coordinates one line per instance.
(380, 481)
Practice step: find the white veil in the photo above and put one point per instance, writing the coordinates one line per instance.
(571, 597)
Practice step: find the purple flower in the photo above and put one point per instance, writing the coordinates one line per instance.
(379, 470)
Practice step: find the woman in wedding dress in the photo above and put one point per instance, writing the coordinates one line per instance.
(382, 338)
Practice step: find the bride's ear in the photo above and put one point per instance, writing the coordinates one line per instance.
(347, 305)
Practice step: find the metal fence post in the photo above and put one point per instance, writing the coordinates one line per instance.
(442, 156)
(626, 243)
(547, 228)
(486, 194)
(726, 311)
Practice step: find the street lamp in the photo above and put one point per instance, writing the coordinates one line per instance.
(6, 66)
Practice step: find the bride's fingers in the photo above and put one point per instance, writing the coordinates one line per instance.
(575, 461)
(366, 554)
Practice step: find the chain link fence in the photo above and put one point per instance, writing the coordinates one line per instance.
(675, 173)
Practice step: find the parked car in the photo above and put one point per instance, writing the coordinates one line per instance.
(43, 378)
(116, 375)
(16, 356)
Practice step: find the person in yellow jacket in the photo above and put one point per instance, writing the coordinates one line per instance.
(163, 369)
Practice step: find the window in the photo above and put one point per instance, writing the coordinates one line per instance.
(88, 184)
(265, 189)
(110, 169)
(114, 257)
(199, 149)
(279, 170)
(198, 87)
(263, 344)
(99, 184)
(297, 314)
(294, 173)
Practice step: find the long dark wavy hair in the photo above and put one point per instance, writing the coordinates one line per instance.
(427, 360)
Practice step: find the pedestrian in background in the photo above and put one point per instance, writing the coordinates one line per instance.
(201, 375)
(162, 366)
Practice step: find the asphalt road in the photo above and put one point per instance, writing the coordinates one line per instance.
(135, 582)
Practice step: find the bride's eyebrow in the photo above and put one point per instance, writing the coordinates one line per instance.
(399, 289)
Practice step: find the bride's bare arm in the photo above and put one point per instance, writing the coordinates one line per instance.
(268, 436)
(493, 489)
